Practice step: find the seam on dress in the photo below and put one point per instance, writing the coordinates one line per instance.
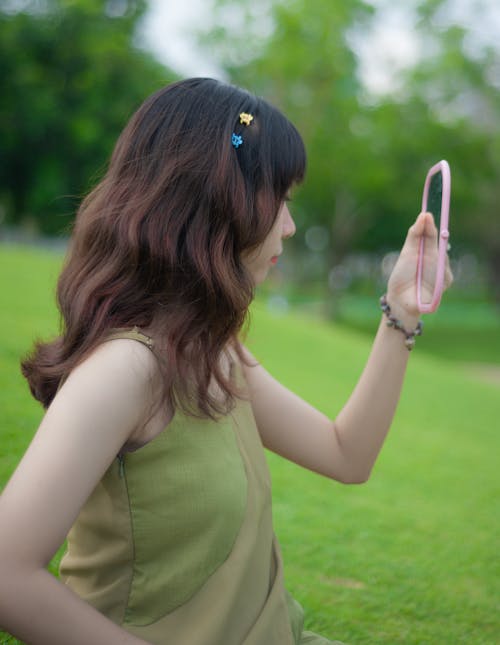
(245, 463)
(132, 541)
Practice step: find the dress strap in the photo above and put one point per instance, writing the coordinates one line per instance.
(133, 334)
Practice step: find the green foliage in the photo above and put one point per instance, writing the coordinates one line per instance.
(307, 67)
(368, 155)
(71, 77)
(408, 558)
(461, 85)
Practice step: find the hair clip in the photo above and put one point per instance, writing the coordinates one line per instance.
(236, 140)
(246, 118)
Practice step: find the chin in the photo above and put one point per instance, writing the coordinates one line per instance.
(260, 277)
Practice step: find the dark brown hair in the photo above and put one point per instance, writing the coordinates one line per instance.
(158, 243)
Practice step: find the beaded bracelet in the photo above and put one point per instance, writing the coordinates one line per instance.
(397, 324)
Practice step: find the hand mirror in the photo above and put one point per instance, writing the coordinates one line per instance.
(435, 200)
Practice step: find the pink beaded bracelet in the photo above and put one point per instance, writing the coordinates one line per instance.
(397, 324)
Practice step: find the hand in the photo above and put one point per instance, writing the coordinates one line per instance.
(401, 289)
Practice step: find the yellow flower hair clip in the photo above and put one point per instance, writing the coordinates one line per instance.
(245, 118)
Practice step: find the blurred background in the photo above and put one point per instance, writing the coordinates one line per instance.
(379, 90)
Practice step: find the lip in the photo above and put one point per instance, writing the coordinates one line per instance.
(274, 259)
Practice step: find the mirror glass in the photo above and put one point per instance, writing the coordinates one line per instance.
(434, 206)
(435, 197)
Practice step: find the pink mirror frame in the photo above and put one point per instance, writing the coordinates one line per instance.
(444, 235)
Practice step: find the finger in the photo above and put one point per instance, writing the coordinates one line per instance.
(430, 230)
(423, 227)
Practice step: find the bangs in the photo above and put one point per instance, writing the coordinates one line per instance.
(289, 167)
(288, 157)
(272, 157)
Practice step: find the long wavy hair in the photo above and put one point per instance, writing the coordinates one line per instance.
(158, 243)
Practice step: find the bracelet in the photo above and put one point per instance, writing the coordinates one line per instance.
(397, 324)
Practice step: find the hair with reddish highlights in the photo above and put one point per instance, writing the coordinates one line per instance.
(158, 243)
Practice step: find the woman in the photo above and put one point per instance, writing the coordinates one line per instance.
(151, 447)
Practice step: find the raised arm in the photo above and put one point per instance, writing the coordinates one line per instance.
(346, 448)
(102, 403)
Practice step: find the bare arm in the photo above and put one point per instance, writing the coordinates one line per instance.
(346, 448)
(101, 404)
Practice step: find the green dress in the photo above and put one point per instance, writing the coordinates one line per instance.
(176, 543)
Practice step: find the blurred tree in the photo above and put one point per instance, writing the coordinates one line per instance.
(459, 82)
(448, 107)
(368, 155)
(297, 54)
(70, 77)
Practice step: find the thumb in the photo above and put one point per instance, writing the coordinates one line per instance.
(423, 227)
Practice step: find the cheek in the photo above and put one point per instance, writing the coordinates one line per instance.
(257, 266)
(251, 259)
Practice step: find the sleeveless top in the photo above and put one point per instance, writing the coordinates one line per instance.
(176, 544)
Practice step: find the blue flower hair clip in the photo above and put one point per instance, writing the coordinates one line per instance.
(245, 119)
(236, 140)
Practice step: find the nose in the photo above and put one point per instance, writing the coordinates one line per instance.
(289, 227)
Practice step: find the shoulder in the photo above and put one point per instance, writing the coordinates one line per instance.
(120, 374)
(121, 360)
(125, 354)
(105, 398)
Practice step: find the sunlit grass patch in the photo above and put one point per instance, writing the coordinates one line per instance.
(409, 557)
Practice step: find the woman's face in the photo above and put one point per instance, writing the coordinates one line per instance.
(260, 260)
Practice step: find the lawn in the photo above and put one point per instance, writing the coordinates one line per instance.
(411, 557)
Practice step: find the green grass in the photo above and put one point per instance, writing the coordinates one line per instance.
(463, 329)
(466, 327)
(411, 557)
